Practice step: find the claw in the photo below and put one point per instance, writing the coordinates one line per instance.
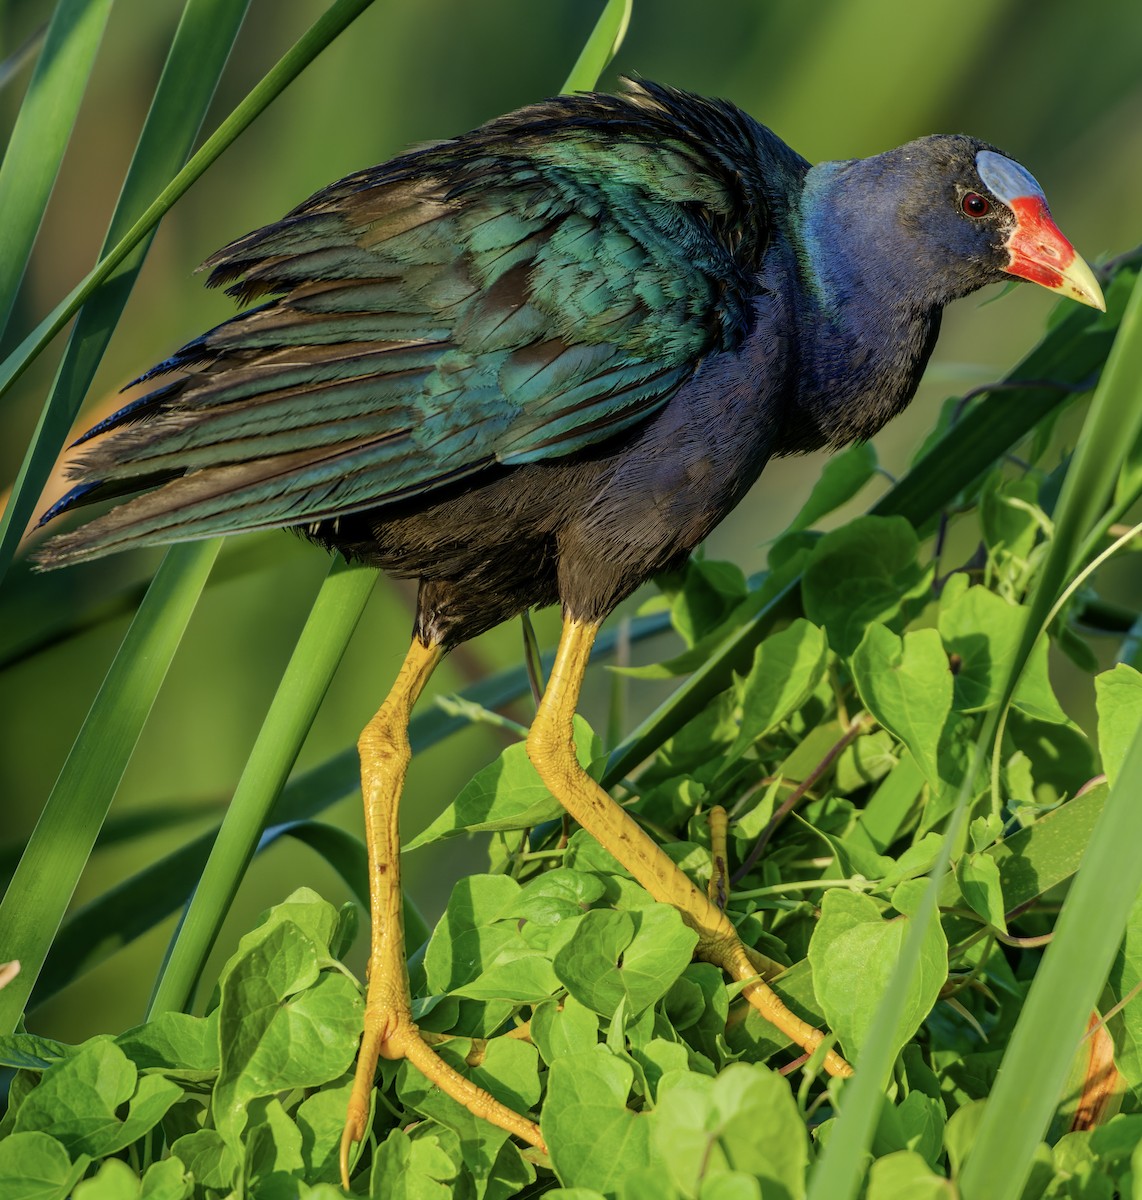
(357, 1110)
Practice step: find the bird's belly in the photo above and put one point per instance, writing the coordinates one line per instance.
(590, 528)
(587, 531)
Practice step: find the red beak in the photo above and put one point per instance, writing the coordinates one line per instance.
(1040, 253)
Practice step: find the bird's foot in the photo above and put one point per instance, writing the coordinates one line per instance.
(391, 1033)
(723, 948)
(745, 965)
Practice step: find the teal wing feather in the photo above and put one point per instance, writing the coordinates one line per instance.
(514, 295)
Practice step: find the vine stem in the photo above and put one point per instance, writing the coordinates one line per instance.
(861, 723)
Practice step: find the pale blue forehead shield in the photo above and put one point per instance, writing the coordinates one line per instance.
(1005, 178)
(1036, 249)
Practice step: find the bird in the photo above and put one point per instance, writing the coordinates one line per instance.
(536, 364)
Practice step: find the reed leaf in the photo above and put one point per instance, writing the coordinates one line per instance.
(59, 848)
(56, 417)
(41, 134)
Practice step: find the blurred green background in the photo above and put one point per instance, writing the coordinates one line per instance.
(1057, 86)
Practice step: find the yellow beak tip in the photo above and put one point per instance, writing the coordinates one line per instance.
(1079, 282)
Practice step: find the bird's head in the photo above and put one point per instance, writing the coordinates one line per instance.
(959, 214)
(1031, 240)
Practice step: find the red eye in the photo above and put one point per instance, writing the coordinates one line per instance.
(975, 205)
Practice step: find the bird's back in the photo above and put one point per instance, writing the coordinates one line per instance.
(531, 294)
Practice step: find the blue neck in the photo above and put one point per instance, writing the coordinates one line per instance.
(865, 323)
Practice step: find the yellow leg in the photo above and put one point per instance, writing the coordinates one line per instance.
(390, 1031)
(552, 750)
(719, 889)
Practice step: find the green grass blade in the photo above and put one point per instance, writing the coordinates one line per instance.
(52, 428)
(735, 653)
(838, 1173)
(40, 611)
(1068, 355)
(59, 847)
(1112, 427)
(1072, 975)
(327, 631)
(1035, 1067)
(1065, 991)
(41, 133)
(116, 830)
(345, 853)
(601, 46)
(94, 932)
(198, 53)
(15, 61)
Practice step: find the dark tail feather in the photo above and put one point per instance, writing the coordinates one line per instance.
(96, 490)
(78, 546)
(105, 534)
(138, 410)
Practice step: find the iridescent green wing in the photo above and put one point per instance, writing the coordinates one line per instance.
(514, 295)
